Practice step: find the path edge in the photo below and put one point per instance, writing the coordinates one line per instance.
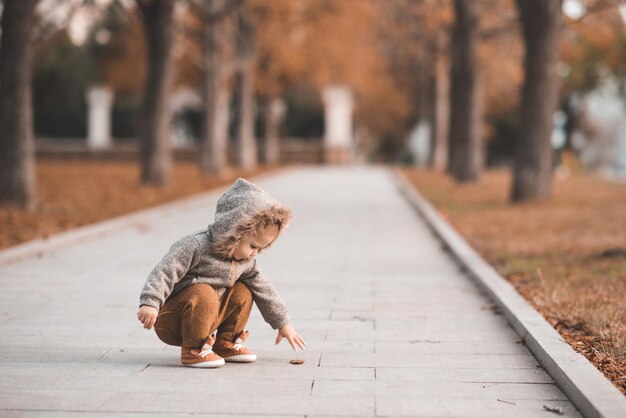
(39, 246)
(586, 387)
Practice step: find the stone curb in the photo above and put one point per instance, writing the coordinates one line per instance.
(586, 387)
(37, 247)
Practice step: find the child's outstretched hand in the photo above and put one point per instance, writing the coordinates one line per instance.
(147, 315)
(292, 336)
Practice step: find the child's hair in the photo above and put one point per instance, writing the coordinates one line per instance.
(275, 220)
(276, 215)
(279, 218)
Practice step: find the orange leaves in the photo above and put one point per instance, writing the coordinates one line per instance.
(321, 42)
(592, 44)
(280, 50)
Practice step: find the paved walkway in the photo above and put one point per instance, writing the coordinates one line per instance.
(393, 328)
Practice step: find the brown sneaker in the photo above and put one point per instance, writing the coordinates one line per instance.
(234, 351)
(201, 357)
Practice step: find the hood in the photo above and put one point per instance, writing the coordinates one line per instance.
(241, 210)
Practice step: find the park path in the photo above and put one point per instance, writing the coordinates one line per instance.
(393, 327)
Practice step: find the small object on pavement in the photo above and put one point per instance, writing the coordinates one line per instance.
(509, 402)
(555, 409)
(296, 361)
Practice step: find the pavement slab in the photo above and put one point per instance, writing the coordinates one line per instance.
(393, 326)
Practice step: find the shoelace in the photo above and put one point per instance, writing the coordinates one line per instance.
(205, 352)
(239, 341)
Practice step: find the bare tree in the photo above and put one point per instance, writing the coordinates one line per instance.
(246, 141)
(532, 173)
(216, 99)
(215, 89)
(17, 153)
(465, 158)
(217, 66)
(427, 27)
(154, 128)
(275, 109)
(441, 105)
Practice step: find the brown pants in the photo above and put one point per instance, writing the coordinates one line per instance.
(190, 317)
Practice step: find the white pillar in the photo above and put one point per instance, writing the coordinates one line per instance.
(276, 110)
(180, 131)
(419, 143)
(100, 101)
(338, 107)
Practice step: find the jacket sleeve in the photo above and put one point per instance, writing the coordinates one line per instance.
(180, 258)
(271, 306)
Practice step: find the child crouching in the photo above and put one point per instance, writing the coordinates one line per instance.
(199, 296)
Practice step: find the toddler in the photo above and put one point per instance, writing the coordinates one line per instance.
(199, 296)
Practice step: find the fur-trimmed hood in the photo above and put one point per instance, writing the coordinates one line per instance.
(241, 210)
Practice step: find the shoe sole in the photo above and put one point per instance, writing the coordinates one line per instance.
(242, 358)
(206, 364)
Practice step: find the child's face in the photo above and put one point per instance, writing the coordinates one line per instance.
(251, 244)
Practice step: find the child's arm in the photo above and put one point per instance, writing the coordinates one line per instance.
(159, 284)
(147, 315)
(292, 336)
(271, 306)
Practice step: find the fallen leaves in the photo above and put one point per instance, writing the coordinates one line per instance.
(79, 192)
(565, 255)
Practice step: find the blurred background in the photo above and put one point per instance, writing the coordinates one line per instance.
(509, 115)
(248, 82)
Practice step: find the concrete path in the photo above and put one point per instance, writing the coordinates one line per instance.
(393, 327)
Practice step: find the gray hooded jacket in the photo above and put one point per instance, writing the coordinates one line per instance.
(206, 256)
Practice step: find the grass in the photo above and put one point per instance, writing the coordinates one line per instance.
(566, 255)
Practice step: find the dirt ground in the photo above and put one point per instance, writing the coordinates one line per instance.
(565, 255)
(75, 193)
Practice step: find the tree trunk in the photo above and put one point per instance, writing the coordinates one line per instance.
(441, 114)
(274, 115)
(246, 143)
(216, 101)
(532, 172)
(464, 140)
(156, 157)
(17, 148)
